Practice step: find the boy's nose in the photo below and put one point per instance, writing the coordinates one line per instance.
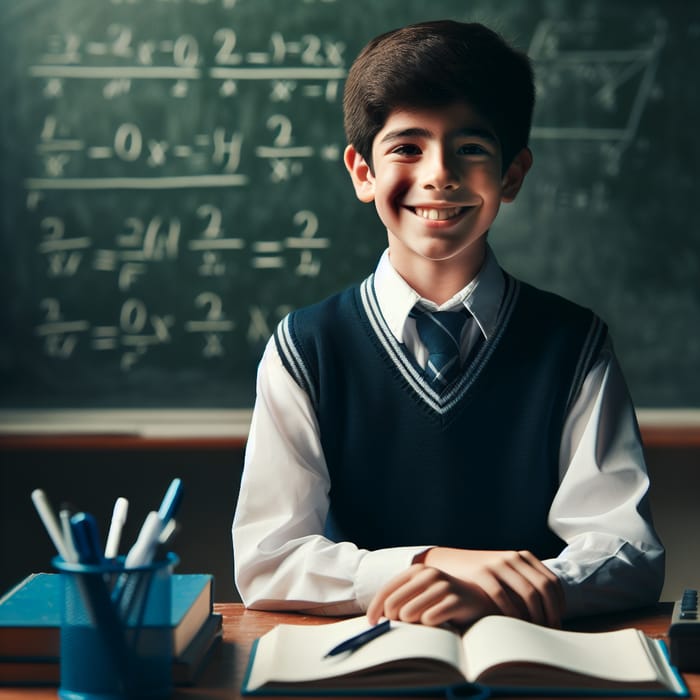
(440, 173)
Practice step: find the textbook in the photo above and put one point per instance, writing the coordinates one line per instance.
(497, 655)
(30, 614)
(186, 666)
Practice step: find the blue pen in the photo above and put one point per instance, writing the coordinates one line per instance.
(361, 639)
(171, 501)
(86, 538)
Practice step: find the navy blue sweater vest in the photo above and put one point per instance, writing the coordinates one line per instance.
(476, 467)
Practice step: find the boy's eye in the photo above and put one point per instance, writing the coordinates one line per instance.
(472, 149)
(406, 149)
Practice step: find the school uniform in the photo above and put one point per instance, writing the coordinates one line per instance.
(355, 464)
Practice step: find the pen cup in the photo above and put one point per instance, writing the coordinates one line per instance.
(116, 638)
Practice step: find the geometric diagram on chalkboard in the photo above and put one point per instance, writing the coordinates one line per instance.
(587, 90)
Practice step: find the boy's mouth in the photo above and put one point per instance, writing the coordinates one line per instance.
(442, 214)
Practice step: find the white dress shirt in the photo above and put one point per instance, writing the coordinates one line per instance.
(612, 559)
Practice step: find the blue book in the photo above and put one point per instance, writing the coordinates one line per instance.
(185, 670)
(30, 614)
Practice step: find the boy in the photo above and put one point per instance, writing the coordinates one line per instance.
(499, 473)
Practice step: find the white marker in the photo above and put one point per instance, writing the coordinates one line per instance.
(43, 508)
(141, 553)
(121, 508)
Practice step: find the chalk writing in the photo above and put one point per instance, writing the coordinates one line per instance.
(173, 182)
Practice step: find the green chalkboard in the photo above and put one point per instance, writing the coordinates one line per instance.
(172, 184)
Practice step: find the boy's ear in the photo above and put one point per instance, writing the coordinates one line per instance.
(361, 174)
(515, 175)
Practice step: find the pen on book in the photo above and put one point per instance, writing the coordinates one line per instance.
(361, 639)
(121, 507)
(43, 508)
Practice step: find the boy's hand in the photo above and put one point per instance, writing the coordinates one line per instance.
(430, 596)
(468, 584)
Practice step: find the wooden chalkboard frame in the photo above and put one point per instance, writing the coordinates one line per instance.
(129, 429)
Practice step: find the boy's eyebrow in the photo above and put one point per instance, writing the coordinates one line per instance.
(418, 132)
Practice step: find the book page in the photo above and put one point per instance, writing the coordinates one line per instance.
(295, 653)
(621, 655)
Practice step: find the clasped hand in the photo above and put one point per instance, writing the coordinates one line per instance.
(457, 587)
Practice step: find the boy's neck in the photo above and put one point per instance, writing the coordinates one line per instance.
(439, 280)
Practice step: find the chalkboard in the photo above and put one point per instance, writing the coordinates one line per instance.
(172, 184)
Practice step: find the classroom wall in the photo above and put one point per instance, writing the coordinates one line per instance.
(675, 478)
(91, 480)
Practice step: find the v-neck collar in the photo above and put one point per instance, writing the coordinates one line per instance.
(440, 403)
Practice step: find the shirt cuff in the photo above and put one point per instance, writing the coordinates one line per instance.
(380, 566)
(598, 581)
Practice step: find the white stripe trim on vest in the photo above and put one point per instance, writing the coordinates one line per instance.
(301, 373)
(590, 345)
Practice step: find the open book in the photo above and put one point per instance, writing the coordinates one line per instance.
(500, 653)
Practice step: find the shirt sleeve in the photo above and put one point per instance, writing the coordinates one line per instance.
(282, 561)
(613, 558)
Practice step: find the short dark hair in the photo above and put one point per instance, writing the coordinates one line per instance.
(433, 64)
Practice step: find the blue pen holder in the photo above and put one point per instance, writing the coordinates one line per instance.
(116, 637)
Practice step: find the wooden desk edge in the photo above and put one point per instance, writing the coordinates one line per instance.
(224, 673)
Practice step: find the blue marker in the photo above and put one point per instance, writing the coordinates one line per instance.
(171, 501)
(86, 538)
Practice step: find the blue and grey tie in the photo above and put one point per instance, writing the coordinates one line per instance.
(440, 332)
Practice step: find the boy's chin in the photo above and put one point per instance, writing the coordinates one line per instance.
(443, 253)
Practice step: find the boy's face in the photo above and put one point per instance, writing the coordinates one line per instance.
(437, 182)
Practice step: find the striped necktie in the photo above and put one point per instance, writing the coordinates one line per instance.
(440, 332)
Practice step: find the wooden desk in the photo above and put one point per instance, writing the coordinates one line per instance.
(223, 674)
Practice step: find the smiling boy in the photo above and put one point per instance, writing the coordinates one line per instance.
(437, 183)
(501, 473)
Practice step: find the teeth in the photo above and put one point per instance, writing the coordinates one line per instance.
(438, 214)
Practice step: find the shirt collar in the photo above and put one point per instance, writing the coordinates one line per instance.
(482, 296)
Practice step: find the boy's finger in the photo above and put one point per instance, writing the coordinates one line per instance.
(556, 598)
(533, 586)
(417, 599)
(546, 584)
(520, 581)
(499, 594)
(419, 583)
(375, 609)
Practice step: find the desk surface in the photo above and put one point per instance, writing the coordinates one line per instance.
(224, 672)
